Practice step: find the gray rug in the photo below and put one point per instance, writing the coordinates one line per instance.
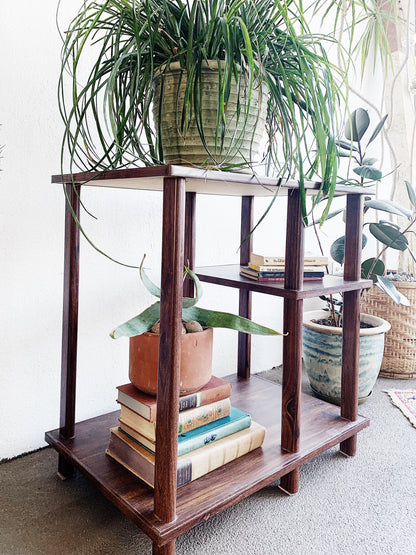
(355, 506)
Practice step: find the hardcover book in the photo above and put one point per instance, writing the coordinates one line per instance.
(261, 260)
(310, 268)
(191, 466)
(145, 405)
(278, 275)
(236, 421)
(188, 420)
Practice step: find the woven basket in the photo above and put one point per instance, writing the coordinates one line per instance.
(399, 361)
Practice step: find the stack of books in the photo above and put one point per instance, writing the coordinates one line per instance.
(211, 432)
(272, 268)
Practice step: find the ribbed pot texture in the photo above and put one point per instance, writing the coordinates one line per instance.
(196, 361)
(188, 149)
(322, 355)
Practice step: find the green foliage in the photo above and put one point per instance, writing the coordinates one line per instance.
(390, 234)
(113, 49)
(207, 318)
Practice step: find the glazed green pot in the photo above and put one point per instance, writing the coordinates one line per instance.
(322, 355)
(238, 149)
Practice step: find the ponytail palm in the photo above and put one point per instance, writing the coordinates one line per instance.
(113, 49)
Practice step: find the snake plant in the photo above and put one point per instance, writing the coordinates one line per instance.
(113, 49)
(207, 318)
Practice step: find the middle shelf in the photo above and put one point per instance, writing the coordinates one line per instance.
(229, 275)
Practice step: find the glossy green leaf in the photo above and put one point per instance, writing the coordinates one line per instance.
(349, 146)
(369, 161)
(377, 130)
(389, 235)
(372, 268)
(387, 286)
(368, 172)
(337, 250)
(355, 129)
(389, 206)
(411, 193)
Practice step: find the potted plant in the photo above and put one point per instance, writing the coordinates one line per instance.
(322, 335)
(196, 348)
(258, 56)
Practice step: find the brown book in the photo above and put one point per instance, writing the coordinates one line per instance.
(192, 465)
(145, 405)
(188, 419)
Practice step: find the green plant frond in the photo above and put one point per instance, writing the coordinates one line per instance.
(139, 324)
(215, 319)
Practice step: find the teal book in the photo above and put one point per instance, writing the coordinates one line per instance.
(236, 421)
(189, 441)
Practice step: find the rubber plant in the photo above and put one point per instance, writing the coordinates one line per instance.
(388, 233)
(113, 50)
(207, 318)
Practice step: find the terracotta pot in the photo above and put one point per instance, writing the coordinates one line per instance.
(196, 361)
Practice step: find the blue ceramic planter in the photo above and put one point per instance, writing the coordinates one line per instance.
(322, 355)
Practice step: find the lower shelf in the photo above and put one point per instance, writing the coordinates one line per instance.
(321, 428)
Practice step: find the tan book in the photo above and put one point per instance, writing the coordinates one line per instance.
(307, 267)
(188, 419)
(191, 466)
(261, 260)
(145, 405)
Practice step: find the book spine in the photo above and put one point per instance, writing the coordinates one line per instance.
(219, 453)
(203, 439)
(280, 260)
(189, 420)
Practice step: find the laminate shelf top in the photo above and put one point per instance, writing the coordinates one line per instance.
(229, 275)
(197, 180)
(322, 428)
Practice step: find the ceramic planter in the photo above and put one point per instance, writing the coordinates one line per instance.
(238, 148)
(196, 361)
(322, 354)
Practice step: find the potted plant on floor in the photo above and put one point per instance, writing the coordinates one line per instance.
(262, 67)
(196, 348)
(322, 336)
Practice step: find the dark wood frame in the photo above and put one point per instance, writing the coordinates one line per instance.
(167, 512)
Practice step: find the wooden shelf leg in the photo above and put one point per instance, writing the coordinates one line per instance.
(289, 483)
(69, 324)
(292, 342)
(244, 305)
(351, 318)
(189, 246)
(167, 549)
(169, 349)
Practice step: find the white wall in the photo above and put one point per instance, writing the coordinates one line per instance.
(128, 225)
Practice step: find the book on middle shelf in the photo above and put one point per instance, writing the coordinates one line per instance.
(278, 274)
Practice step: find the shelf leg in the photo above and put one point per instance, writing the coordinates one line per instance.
(69, 324)
(351, 318)
(169, 349)
(289, 483)
(292, 342)
(167, 549)
(244, 306)
(189, 246)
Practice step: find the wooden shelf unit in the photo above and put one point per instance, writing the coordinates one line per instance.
(299, 427)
